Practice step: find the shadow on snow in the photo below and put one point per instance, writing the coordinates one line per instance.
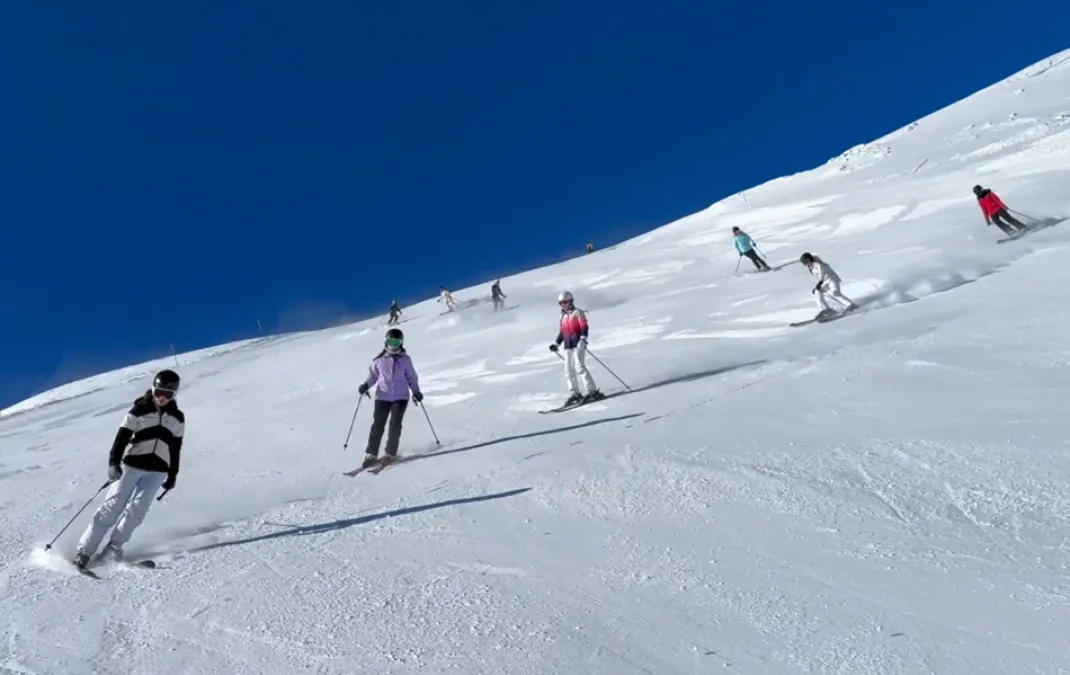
(336, 525)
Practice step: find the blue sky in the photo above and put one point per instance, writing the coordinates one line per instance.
(173, 172)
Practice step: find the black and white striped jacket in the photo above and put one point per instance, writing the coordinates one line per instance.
(150, 438)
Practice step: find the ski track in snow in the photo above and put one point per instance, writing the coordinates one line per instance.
(887, 493)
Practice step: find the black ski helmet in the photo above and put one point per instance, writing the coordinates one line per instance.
(806, 258)
(166, 380)
(977, 190)
(394, 334)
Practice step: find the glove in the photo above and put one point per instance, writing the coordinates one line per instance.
(115, 472)
(169, 484)
(553, 348)
(363, 389)
(583, 339)
(417, 396)
(817, 289)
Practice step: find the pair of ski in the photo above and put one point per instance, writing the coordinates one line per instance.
(87, 571)
(383, 464)
(570, 406)
(825, 318)
(1022, 233)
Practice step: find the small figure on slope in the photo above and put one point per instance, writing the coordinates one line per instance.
(996, 211)
(393, 376)
(143, 459)
(745, 247)
(590, 247)
(446, 297)
(572, 334)
(395, 313)
(496, 295)
(828, 283)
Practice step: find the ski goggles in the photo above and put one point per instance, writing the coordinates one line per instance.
(163, 393)
(394, 343)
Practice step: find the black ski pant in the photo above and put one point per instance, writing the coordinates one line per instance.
(1005, 220)
(384, 410)
(754, 258)
(498, 302)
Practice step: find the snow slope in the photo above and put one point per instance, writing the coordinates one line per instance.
(888, 493)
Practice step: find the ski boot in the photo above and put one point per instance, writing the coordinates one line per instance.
(826, 314)
(81, 560)
(112, 552)
(593, 396)
(575, 399)
(369, 460)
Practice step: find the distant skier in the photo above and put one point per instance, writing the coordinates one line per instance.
(496, 295)
(395, 313)
(996, 211)
(590, 247)
(745, 247)
(393, 376)
(447, 297)
(828, 283)
(572, 333)
(143, 459)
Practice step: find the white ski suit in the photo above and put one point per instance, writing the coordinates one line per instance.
(828, 284)
(447, 298)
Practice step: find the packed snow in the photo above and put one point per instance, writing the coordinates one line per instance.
(885, 493)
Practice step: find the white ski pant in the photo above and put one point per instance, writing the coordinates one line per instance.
(831, 288)
(124, 507)
(576, 369)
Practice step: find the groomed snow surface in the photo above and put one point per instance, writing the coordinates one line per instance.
(887, 493)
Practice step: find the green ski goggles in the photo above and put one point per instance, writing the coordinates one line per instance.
(394, 343)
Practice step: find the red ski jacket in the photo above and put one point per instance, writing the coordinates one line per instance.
(990, 203)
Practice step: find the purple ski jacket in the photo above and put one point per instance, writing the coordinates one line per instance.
(393, 376)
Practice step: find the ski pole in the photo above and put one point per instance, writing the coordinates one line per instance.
(162, 495)
(351, 423)
(1025, 215)
(48, 546)
(737, 263)
(607, 368)
(437, 442)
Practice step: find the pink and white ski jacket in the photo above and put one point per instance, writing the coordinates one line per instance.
(573, 327)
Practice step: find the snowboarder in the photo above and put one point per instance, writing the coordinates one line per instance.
(572, 333)
(393, 376)
(395, 313)
(828, 283)
(996, 211)
(143, 459)
(745, 247)
(446, 297)
(496, 295)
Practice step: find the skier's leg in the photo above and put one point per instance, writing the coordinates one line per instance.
(997, 218)
(581, 370)
(1006, 215)
(570, 371)
(753, 255)
(393, 438)
(379, 416)
(108, 512)
(822, 303)
(835, 292)
(147, 484)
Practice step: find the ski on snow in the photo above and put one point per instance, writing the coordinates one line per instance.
(88, 570)
(834, 317)
(377, 468)
(563, 408)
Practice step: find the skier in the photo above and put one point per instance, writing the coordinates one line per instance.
(446, 297)
(143, 459)
(745, 247)
(572, 333)
(590, 247)
(828, 283)
(394, 376)
(496, 295)
(395, 313)
(996, 211)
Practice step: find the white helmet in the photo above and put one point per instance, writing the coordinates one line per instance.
(565, 296)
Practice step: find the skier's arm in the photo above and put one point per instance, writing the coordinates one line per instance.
(176, 456)
(560, 337)
(412, 378)
(122, 439)
(583, 324)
